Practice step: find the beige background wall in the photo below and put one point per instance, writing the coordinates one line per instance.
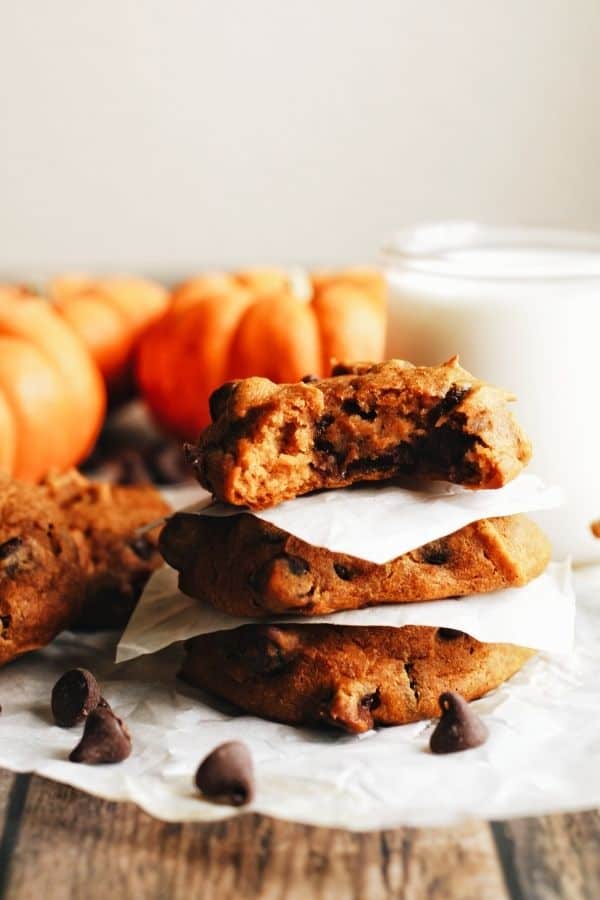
(163, 134)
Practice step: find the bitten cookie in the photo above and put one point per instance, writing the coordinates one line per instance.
(117, 562)
(41, 582)
(351, 677)
(247, 567)
(271, 442)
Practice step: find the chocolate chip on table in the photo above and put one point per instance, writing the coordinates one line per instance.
(168, 464)
(74, 696)
(10, 547)
(161, 462)
(133, 467)
(105, 739)
(227, 775)
(459, 727)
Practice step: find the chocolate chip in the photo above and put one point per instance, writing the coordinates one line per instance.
(445, 448)
(132, 468)
(371, 701)
(324, 422)
(10, 547)
(448, 634)
(105, 739)
(412, 683)
(343, 572)
(143, 547)
(459, 727)
(297, 565)
(270, 534)
(168, 464)
(449, 402)
(322, 443)
(74, 696)
(227, 775)
(324, 446)
(217, 402)
(266, 651)
(348, 369)
(435, 554)
(402, 458)
(352, 408)
(310, 379)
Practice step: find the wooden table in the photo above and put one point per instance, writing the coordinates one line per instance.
(58, 843)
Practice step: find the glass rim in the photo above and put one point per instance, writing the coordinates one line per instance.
(412, 248)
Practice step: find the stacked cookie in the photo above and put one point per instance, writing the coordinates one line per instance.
(269, 443)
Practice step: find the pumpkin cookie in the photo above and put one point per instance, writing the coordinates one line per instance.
(271, 442)
(41, 582)
(276, 573)
(351, 677)
(117, 562)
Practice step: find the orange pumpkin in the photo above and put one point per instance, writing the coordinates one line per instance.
(110, 314)
(52, 398)
(221, 327)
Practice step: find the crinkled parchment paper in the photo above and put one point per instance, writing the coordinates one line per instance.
(540, 615)
(379, 522)
(542, 755)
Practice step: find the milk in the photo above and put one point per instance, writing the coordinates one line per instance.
(522, 308)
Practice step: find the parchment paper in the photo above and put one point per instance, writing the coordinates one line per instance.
(542, 755)
(378, 523)
(540, 615)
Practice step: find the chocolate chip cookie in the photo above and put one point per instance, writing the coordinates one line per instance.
(117, 561)
(42, 585)
(353, 678)
(271, 442)
(247, 567)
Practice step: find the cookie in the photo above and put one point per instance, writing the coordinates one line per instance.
(41, 582)
(271, 442)
(275, 572)
(353, 678)
(117, 561)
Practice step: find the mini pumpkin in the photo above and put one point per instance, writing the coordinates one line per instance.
(52, 397)
(110, 314)
(222, 327)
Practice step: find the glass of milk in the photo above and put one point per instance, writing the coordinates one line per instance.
(521, 306)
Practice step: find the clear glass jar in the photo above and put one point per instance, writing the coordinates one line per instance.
(521, 306)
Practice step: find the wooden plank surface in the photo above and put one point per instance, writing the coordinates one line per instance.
(59, 843)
